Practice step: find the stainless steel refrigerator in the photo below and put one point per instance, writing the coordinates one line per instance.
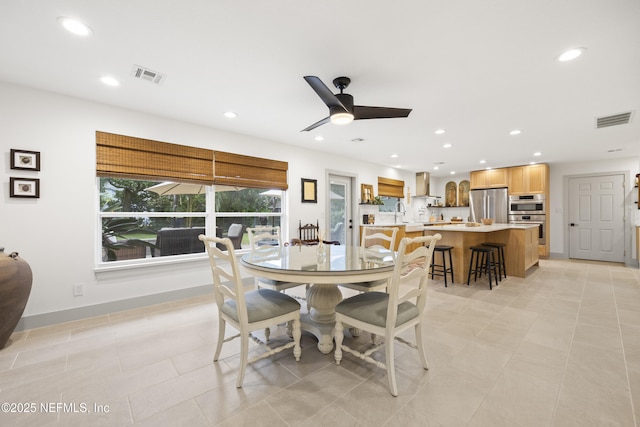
(489, 203)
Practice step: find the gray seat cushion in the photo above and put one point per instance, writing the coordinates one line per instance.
(370, 284)
(262, 304)
(371, 307)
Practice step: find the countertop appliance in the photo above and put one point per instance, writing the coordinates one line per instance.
(489, 203)
(527, 204)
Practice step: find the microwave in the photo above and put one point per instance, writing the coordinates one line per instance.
(527, 204)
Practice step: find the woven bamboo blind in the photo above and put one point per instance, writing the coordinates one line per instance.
(390, 187)
(137, 158)
(247, 171)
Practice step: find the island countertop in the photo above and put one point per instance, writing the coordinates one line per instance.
(520, 240)
(480, 228)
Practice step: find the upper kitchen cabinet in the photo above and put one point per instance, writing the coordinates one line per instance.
(530, 179)
(489, 178)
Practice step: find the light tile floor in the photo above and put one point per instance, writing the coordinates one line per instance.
(559, 348)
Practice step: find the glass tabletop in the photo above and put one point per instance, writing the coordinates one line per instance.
(337, 259)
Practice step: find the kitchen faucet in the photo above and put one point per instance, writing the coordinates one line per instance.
(400, 208)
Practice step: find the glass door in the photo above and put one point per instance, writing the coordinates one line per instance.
(340, 216)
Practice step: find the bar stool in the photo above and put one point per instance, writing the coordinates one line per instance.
(502, 264)
(484, 262)
(442, 269)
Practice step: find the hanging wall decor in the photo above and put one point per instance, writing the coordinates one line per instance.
(309, 190)
(24, 187)
(25, 160)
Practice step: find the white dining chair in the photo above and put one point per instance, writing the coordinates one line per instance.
(247, 311)
(265, 242)
(390, 313)
(374, 238)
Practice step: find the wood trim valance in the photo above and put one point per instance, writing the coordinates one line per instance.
(137, 158)
(253, 172)
(390, 187)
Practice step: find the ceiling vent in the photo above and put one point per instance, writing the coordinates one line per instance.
(143, 73)
(614, 120)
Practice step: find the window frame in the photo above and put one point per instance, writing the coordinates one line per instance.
(210, 218)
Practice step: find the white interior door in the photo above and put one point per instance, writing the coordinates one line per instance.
(340, 215)
(596, 218)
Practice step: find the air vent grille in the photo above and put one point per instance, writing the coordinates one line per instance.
(614, 120)
(144, 73)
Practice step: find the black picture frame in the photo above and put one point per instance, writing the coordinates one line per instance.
(24, 188)
(309, 190)
(25, 160)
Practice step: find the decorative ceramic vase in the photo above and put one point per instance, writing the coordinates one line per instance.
(15, 287)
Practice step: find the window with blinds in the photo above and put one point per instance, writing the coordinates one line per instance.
(390, 187)
(145, 220)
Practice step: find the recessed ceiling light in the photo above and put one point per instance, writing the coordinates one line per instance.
(452, 172)
(571, 54)
(394, 156)
(483, 162)
(74, 26)
(488, 168)
(537, 153)
(109, 81)
(447, 145)
(440, 131)
(515, 132)
(399, 166)
(532, 163)
(230, 114)
(319, 138)
(435, 168)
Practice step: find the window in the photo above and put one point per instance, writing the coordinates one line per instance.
(148, 219)
(157, 197)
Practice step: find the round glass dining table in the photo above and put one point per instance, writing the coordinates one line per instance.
(323, 268)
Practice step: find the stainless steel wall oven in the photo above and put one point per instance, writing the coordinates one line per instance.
(533, 204)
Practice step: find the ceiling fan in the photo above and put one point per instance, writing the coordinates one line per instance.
(341, 108)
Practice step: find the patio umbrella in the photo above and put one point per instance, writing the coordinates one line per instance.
(169, 188)
(274, 193)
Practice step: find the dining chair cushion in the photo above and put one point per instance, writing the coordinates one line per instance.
(372, 283)
(262, 304)
(371, 307)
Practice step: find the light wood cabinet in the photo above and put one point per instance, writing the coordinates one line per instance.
(531, 179)
(489, 178)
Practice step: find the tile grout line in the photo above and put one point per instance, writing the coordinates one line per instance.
(624, 353)
(566, 362)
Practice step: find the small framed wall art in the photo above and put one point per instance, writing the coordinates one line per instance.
(366, 194)
(24, 187)
(25, 160)
(309, 190)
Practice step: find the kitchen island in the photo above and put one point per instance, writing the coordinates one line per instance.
(521, 245)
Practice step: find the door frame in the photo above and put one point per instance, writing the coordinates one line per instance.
(627, 211)
(354, 233)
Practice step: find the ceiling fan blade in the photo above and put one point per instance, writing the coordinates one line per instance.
(324, 93)
(361, 112)
(315, 125)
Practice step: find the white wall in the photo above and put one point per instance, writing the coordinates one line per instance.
(56, 233)
(558, 215)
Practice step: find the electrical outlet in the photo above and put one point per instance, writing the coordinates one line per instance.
(78, 289)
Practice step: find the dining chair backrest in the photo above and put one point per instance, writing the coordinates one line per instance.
(410, 267)
(227, 282)
(309, 233)
(379, 236)
(264, 236)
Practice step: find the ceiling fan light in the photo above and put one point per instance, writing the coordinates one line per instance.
(341, 118)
